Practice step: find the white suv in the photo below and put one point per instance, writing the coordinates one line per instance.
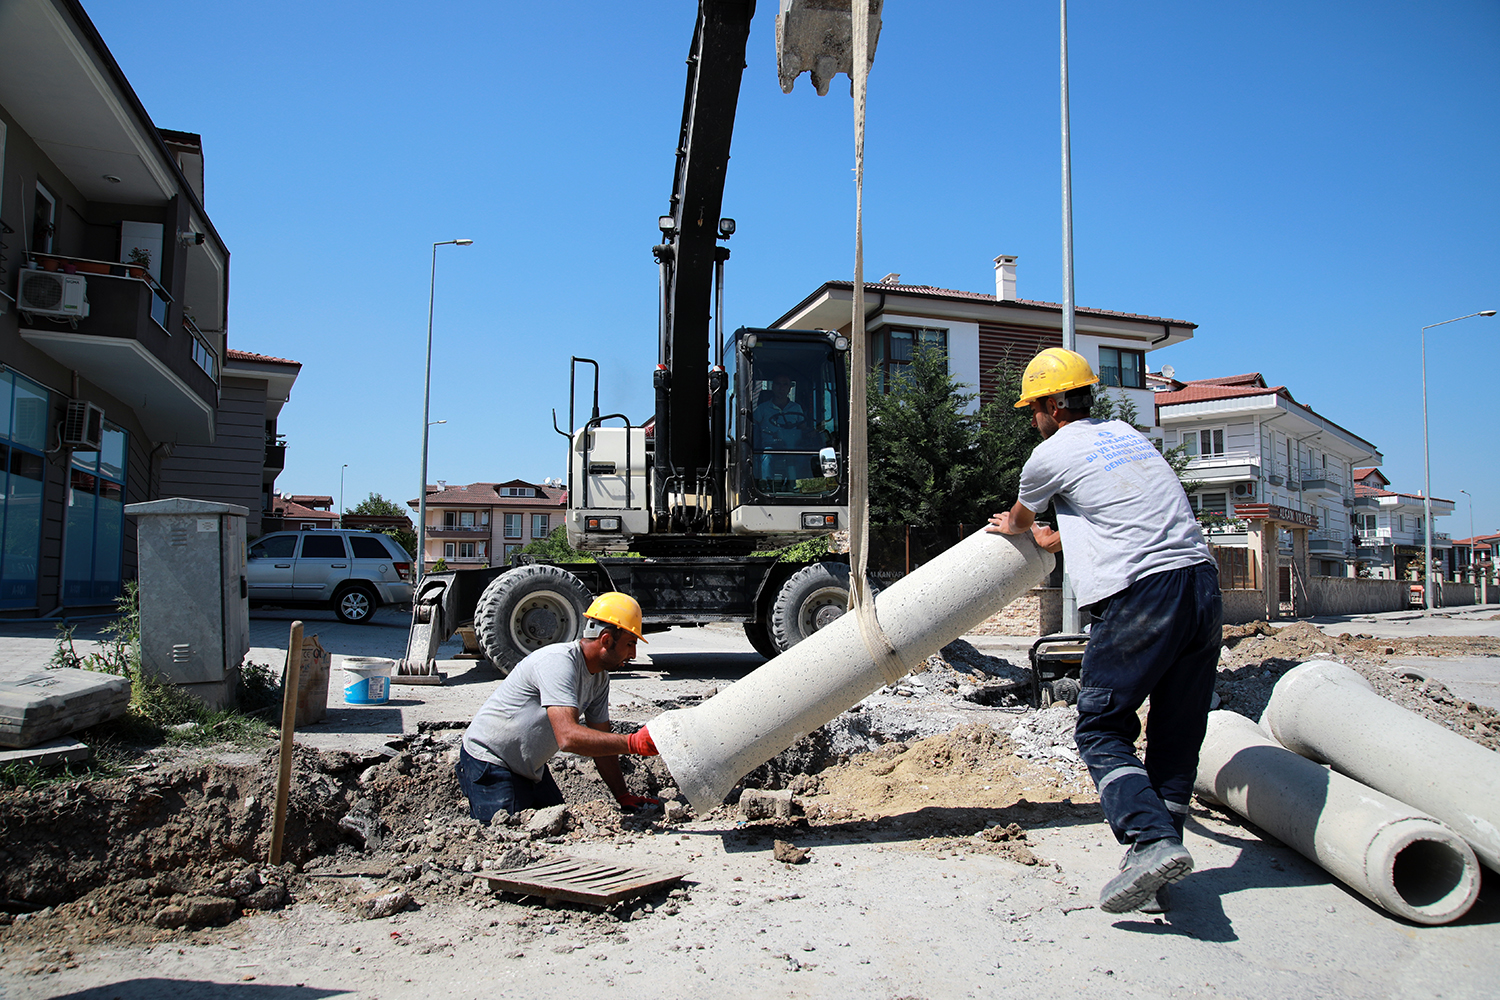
(352, 572)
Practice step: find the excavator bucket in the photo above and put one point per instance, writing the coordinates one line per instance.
(817, 37)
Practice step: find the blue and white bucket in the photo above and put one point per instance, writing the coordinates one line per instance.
(367, 680)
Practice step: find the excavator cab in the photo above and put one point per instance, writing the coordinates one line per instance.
(789, 430)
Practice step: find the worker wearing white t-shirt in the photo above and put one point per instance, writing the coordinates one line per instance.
(1139, 563)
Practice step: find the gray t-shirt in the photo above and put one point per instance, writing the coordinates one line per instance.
(1120, 508)
(512, 727)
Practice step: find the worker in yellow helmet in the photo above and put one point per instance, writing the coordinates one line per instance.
(1139, 564)
(557, 698)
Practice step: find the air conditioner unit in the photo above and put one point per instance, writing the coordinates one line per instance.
(1244, 491)
(83, 425)
(53, 293)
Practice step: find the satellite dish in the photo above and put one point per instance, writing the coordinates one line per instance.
(1168, 371)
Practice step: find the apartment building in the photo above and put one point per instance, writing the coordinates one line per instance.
(1255, 449)
(113, 309)
(980, 331)
(484, 524)
(1391, 528)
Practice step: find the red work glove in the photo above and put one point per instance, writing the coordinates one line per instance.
(628, 801)
(640, 743)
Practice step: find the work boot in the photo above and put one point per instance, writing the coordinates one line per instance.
(1160, 901)
(1144, 869)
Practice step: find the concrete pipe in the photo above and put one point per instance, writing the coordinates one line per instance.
(712, 745)
(1329, 713)
(1401, 859)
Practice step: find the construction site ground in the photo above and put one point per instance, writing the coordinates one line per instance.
(954, 848)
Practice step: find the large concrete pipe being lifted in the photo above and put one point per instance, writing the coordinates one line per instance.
(1396, 856)
(712, 745)
(1329, 713)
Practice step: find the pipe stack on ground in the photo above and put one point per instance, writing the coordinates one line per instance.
(1395, 855)
(712, 745)
(1330, 714)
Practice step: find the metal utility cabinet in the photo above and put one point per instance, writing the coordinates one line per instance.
(195, 613)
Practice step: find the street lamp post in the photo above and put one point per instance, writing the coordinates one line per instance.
(426, 405)
(1472, 570)
(341, 494)
(1427, 465)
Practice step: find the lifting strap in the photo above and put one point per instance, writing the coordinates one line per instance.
(861, 603)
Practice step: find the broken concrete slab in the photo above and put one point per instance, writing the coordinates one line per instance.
(44, 705)
(52, 752)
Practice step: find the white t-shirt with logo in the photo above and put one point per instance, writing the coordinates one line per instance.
(512, 727)
(1120, 507)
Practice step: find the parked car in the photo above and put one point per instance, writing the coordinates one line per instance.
(352, 572)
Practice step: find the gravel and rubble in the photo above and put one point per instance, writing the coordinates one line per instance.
(175, 853)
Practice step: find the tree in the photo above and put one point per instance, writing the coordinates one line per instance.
(555, 548)
(376, 505)
(933, 464)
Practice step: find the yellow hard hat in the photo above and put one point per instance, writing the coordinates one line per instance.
(615, 608)
(1055, 370)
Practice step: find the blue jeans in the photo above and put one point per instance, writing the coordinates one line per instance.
(1159, 637)
(493, 787)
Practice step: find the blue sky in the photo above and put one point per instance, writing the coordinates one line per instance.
(1309, 183)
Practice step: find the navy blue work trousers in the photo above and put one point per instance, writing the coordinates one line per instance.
(1157, 638)
(493, 787)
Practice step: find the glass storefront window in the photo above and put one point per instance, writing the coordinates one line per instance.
(95, 522)
(24, 408)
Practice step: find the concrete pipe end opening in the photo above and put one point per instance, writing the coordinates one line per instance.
(1426, 873)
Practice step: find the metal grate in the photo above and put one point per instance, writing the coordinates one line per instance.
(579, 881)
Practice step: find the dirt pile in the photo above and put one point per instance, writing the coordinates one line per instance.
(1256, 656)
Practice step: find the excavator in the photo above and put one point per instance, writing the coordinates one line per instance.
(747, 449)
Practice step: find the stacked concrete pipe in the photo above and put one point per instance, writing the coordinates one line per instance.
(1396, 856)
(711, 746)
(1330, 714)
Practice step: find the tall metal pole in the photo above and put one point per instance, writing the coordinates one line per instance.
(1069, 337)
(1471, 536)
(341, 493)
(1069, 331)
(1427, 467)
(426, 406)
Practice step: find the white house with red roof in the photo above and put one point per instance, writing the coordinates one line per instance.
(1252, 444)
(981, 332)
(1392, 529)
(486, 523)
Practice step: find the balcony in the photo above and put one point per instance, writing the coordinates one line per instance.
(124, 346)
(1328, 540)
(460, 530)
(1226, 467)
(1324, 481)
(275, 457)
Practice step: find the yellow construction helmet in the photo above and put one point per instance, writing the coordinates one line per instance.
(615, 608)
(1055, 370)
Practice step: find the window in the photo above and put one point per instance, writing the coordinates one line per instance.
(23, 440)
(511, 550)
(893, 347)
(94, 529)
(323, 547)
(1120, 367)
(43, 220)
(450, 550)
(1210, 503)
(513, 525)
(275, 547)
(1204, 443)
(466, 550)
(367, 547)
(517, 491)
(539, 526)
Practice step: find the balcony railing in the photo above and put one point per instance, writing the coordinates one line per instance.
(275, 457)
(1318, 479)
(458, 529)
(1238, 456)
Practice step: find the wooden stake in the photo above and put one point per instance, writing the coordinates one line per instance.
(288, 724)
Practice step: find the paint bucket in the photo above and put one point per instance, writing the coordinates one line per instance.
(367, 680)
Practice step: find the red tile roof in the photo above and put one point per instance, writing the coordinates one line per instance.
(1250, 378)
(233, 355)
(1194, 392)
(488, 495)
(932, 291)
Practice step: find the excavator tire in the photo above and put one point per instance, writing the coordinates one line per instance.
(811, 598)
(759, 635)
(527, 608)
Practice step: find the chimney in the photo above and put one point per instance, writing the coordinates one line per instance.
(1005, 278)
